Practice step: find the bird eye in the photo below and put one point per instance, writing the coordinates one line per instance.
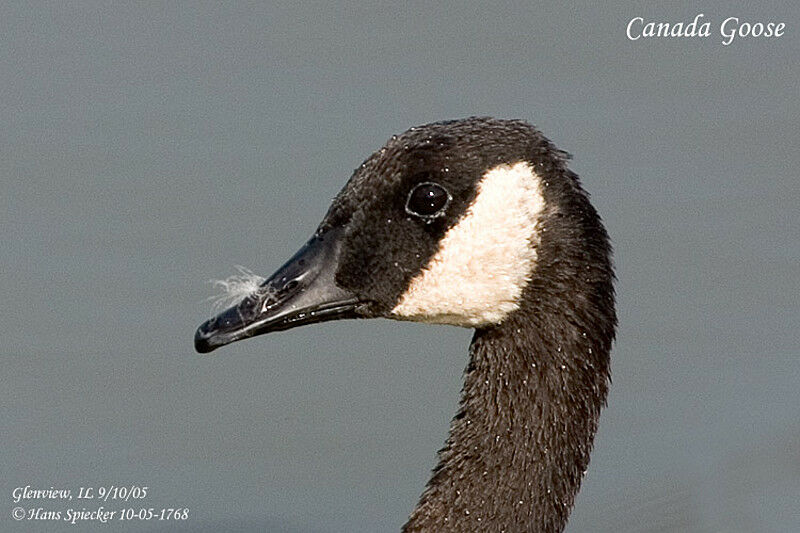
(428, 200)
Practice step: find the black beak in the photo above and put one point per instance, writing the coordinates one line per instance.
(302, 291)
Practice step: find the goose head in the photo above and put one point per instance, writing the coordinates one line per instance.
(444, 224)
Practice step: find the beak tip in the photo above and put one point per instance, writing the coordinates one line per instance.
(201, 341)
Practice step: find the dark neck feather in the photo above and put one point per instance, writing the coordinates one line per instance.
(520, 442)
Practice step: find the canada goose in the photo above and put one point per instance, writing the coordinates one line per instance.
(476, 223)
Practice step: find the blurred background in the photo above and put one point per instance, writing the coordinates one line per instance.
(148, 148)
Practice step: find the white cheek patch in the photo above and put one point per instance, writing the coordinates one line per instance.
(486, 259)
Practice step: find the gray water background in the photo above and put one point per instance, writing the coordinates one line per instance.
(147, 148)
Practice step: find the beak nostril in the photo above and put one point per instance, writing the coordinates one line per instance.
(291, 285)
